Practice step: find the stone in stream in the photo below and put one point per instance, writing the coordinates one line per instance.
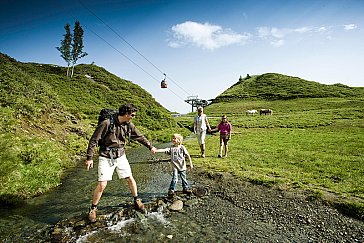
(176, 205)
(69, 230)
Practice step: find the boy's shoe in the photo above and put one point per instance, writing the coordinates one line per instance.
(187, 191)
(171, 193)
(92, 215)
(138, 205)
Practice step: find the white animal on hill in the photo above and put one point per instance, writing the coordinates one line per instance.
(251, 112)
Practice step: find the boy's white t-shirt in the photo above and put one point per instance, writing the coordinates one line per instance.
(178, 160)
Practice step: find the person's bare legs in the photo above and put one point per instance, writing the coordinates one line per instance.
(220, 151)
(134, 191)
(226, 149)
(101, 185)
(132, 186)
(202, 146)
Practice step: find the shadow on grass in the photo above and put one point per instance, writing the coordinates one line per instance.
(350, 209)
(11, 200)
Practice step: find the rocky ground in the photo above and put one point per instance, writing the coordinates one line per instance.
(222, 208)
(238, 211)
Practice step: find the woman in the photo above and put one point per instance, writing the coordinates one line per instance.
(200, 126)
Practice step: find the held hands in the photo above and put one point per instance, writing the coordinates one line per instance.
(89, 164)
(154, 150)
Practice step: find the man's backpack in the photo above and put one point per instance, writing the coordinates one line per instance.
(106, 113)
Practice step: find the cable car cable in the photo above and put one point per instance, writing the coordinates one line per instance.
(121, 53)
(123, 39)
(88, 9)
(130, 59)
(125, 56)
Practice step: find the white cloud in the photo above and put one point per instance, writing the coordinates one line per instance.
(263, 32)
(303, 30)
(278, 33)
(278, 36)
(277, 43)
(321, 29)
(350, 26)
(206, 36)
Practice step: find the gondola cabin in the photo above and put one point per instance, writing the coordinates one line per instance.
(164, 84)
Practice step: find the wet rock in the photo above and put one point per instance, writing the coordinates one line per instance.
(191, 202)
(69, 230)
(176, 205)
(225, 209)
(200, 191)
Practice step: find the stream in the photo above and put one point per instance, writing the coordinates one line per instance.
(33, 221)
(233, 210)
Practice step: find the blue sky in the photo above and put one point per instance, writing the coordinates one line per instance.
(203, 46)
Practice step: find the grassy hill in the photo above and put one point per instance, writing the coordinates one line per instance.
(313, 142)
(47, 119)
(273, 86)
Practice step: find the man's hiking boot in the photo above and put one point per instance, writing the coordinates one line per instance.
(138, 205)
(92, 215)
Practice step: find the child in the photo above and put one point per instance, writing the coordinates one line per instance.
(178, 162)
(225, 129)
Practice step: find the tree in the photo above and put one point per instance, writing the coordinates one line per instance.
(65, 48)
(77, 45)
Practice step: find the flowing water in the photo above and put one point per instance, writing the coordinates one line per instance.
(32, 222)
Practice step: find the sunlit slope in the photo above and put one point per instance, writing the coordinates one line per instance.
(47, 119)
(273, 86)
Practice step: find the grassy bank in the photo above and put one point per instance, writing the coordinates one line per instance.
(47, 119)
(310, 144)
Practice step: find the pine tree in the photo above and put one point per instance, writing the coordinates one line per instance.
(77, 45)
(65, 48)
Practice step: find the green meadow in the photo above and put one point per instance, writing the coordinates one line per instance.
(314, 141)
(310, 144)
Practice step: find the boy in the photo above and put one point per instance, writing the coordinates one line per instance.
(178, 162)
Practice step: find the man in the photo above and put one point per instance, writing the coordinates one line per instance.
(112, 155)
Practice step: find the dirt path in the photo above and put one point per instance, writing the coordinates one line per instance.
(239, 211)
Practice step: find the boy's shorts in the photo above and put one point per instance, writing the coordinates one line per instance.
(106, 168)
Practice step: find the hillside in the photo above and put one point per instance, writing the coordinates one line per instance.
(273, 86)
(311, 143)
(47, 119)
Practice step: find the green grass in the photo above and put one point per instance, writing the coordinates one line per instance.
(274, 86)
(312, 142)
(314, 145)
(47, 119)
